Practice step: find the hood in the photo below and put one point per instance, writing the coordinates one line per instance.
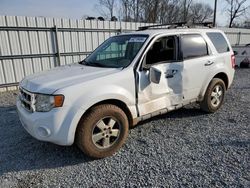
(49, 81)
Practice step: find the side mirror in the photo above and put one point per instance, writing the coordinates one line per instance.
(154, 75)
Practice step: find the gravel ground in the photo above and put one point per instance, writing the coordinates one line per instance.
(184, 148)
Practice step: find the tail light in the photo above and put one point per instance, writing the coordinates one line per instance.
(233, 61)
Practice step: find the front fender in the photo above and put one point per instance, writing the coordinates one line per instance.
(85, 101)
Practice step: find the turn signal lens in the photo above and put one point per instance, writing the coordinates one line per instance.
(58, 100)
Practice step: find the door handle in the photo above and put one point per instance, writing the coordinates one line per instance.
(170, 73)
(209, 63)
(169, 76)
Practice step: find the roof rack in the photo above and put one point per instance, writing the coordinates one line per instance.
(176, 25)
(205, 24)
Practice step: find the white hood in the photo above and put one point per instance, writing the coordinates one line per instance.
(49, 81)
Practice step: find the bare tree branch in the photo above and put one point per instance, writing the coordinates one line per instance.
(106, 8)
(201, 12)
(163, 11)
(236, 9)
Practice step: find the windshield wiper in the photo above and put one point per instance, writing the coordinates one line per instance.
(93, 64)
(84, 62)
(87, 63)
(96, 64)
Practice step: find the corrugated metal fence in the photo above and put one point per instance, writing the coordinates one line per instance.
(237, 36)
(33, 44)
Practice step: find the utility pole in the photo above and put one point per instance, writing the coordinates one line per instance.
(184, 12)
(215, 10)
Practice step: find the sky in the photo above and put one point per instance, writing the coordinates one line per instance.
(77, 8)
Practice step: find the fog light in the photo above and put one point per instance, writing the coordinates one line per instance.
(43, 132)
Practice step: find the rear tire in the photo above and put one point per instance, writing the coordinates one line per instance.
(102, 131)
(214, 96)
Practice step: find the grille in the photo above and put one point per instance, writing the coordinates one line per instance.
(26, 99)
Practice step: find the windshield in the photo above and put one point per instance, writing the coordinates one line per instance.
(116, 52)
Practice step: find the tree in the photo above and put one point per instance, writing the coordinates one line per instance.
(107, 8)
(161, 11)
(130, 9)
(135, 10)
(151, 8)
(236, 9)
(186, 6)
(114, 19)
(170, 11)
(100, 18)
(90, 18)
(200, 12)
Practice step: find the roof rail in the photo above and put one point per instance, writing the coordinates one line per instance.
(177, 24)
(205, 24)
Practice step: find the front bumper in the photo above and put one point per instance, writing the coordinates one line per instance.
(52, 126)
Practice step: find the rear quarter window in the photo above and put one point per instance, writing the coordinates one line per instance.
(193, 45)
(219, 42)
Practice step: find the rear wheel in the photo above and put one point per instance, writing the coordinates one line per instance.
(214, 96)
(102, 131)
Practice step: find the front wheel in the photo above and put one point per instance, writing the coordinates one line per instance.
(102, 131)
(214, 96)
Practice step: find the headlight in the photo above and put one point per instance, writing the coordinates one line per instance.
(44, 103)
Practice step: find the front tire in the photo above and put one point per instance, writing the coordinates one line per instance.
(102, 131)
(214, 96)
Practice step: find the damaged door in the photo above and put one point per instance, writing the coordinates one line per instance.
(197, 62)
(160, 78)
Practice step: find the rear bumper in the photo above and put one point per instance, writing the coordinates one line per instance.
(231, 78)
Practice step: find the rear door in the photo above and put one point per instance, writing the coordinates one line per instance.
(197, 63)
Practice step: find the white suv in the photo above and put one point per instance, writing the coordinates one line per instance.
(128, 78)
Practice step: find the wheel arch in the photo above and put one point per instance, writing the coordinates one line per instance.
(223, 76)
(115, 102)
(119, 104)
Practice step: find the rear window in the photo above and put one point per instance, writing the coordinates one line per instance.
(193, 45)
(219, 42)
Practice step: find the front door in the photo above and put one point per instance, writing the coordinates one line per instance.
(182, 72)
(163, 57)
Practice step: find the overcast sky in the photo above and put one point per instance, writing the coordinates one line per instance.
(75, 8)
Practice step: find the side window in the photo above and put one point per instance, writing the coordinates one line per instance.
(193, 45)
(219, 42)
(162, 50)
